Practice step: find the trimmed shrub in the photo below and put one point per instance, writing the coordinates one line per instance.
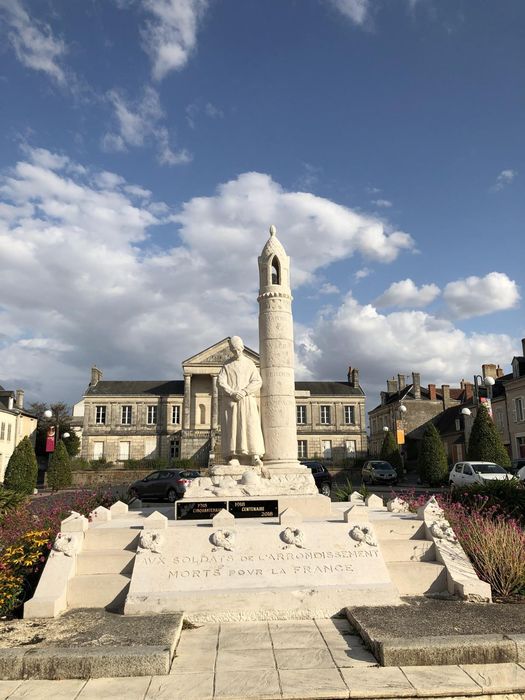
(22, 468)
(432, 462)
(59, 473)
(10, 499)
(485, 444)
(390, 453)
(72, 444)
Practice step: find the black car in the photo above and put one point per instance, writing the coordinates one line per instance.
(322, 477)
(517, 464)
(377, 471)
(168, 484)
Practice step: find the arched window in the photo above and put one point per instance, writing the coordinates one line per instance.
(202, 413)
(276, 270)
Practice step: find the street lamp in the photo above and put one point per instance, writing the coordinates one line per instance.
(386, 428)
(488, 382)
(466, 411)
(48, 413)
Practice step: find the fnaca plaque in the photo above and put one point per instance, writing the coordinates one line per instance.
(199, 510)
(254, 509)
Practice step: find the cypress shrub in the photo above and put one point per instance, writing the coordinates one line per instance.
(432, 462)
(485, 443)
(72, 444)
(22, 468)
(59, 473)
(390, 453)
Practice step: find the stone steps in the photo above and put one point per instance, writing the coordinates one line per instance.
(407, 550)
(98, 590)
(399, 528)
(417, 577)
(106, 561)
(111, 538)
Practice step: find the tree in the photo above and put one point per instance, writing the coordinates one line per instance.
(485, 443)
(432, 461)
(390, 453)
(22, 468)
(59, 473)
(61, 415)
(72, 444)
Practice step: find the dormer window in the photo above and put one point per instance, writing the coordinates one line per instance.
(276, 271)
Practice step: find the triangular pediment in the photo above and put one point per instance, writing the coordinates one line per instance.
(216, 355)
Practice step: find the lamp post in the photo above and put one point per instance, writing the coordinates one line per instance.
(487, 382)
(48, 413)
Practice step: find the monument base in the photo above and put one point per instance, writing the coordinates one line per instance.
(317, 506)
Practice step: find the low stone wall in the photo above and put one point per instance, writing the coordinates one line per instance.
(108, 477)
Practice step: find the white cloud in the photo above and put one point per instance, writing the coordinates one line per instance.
(33, 40)
(383, 344)
(406, 294)
(382, 203)
(194, 109)
(477, 296)
(139, 123)
(170, 36)
(355, 10)
(362, 273)
(328, 288)
(504, 178)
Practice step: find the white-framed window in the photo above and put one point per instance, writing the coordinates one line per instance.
(302, 449)
(124, 448)
(350, 415)
(125, 415)
(325, 415)
(152, 415)
(8, 432)
(518, 407)
(350, 448)
(2, 431)
(98, 450)
(175, 449)
(500, 421)
(326, 446)
(100, 415)
(175, 414)
(301, 415)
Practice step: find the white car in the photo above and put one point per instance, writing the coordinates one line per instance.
(521, 474)
(467, 473)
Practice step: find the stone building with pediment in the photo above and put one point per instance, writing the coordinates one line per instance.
(179, 419)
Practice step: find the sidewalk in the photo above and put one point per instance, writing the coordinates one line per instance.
(307, 660)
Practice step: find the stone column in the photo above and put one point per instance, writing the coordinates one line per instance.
(187, 402)
(214, 403)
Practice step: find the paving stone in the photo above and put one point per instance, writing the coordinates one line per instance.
(296, 635)
(497, 678)
(8, 687)
(435, 681)
(182, 686)
(194, 644)
(353, 656)
(374, 682)
(202, 631)
(288, 659)
(241, 685)
(245, 636)
(193, 660)
(245, 659)
(44, 690)
(115, 688)
(313, 684)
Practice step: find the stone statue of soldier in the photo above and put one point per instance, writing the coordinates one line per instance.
(241, 434)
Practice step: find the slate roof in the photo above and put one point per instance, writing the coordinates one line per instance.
(176, 387)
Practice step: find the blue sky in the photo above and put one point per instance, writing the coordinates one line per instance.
(147, 145)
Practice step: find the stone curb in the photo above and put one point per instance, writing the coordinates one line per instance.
(56, 663)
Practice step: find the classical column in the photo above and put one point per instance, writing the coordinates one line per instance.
(187, 402)
(214, 403)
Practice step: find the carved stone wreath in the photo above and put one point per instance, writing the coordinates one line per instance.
(293, 536)
(65, 544)
(153, 541)
(442, 530)
(397, 505)
(224, 539)
(363, 534)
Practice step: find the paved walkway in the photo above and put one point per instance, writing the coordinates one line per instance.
(307, 660)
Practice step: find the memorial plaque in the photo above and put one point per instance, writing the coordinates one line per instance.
(199, 510)
(254, 509)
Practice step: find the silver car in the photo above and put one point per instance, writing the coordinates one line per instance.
(468, 473)
(377, 471)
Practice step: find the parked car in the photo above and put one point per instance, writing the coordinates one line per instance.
(518, 468)
(322, 477)
(168, 484)
(467, 473)
(377, 471)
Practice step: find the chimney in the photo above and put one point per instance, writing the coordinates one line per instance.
(488, 371)
(391, 386)
(445, 390)
(355, 378)
(20, 398)
(432, 392)
(349, 375)
(499, 372)
(523, 346)
(10, 404)
(383, 397)
(401, 382)
(416, 385)
(468, 388)
(96, 376)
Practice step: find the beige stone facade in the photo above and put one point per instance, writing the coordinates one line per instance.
(15, 425)
(515, 405)
(180, 418)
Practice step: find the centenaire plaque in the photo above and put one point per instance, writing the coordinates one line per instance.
(199, 510)
(254, 509)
